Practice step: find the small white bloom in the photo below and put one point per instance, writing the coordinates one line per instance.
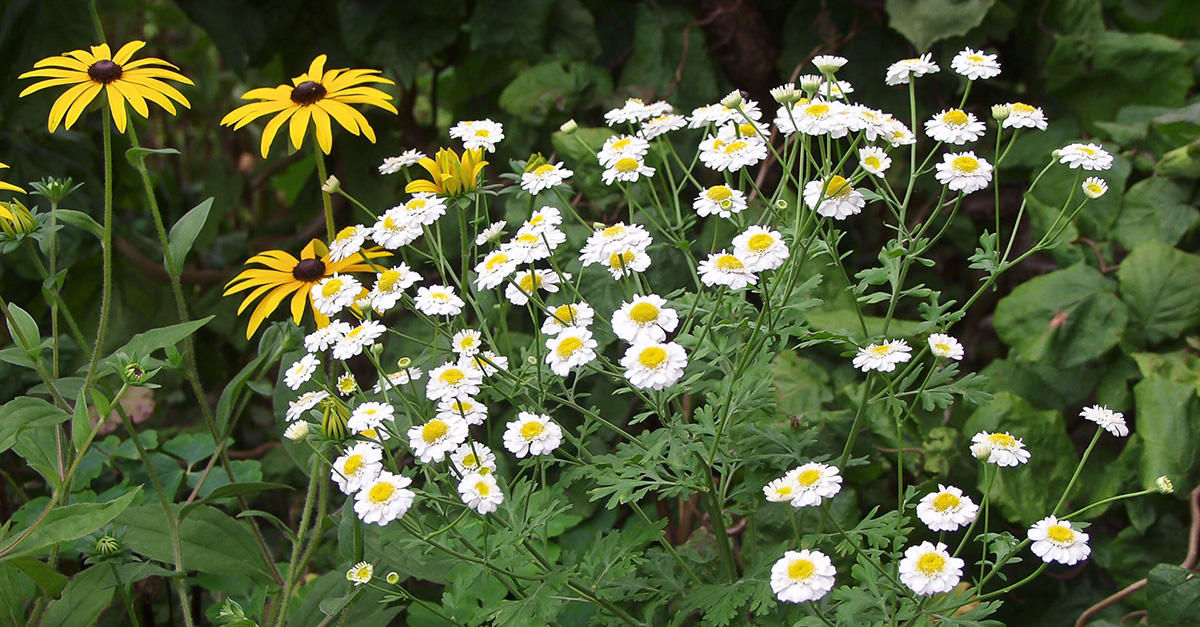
(874, 160)
(438, 300)
(1021, 115)
(1164, 485)
(494, 268)
(335, 293)
(346, 384)
(390, 286)
(491, 233)
(1003, 448)
(817, 117)
(760, 248)
(452, 381)
(478, 134)
(526, 283)
(615, 239)
(975, 65)
(466, 342)
(896, 133)
(1055, 540)
(719, 114)
(635, 110)
(655, 366)
(301, 371)
(929, 569)
(834, 197)
(571, 348)
(544, 219)
(360, 573)
(802, 576)
(622, 147)
(307, 401)
(787, 93)
(627, 170)
(726, 269)
(532, 434)
(395, 228)
(348, 242)
(661, 125)
(530, 246)
(297, 431)
(1094, 187)
(465, 409)
(357, 467)
(828, 63)
(1086, 156)
(383, 500)
(837, 90)
(543, 177)
(947, 509)
(357, 339)
(782, 490)
(945, 346)
(369, 416)
(432, 441)
(625, 263)
(481, 492)
(570, 315)
(644, 319)
(729, 154)
(474, 457)
(326, 336)
(484, 362)
(882, 357)
(392, 165)
(900, 72)
(955, 126)
(1111, 421)
(401, 377)
(719, 200)
(814, 482)
(964, 172)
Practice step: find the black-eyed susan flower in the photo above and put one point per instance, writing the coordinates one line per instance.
(286, 276)
(8, 186)
(317, 95)
(451, 176)
(121, 80)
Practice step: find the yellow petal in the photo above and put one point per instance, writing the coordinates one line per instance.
(421, 185)
(55, 72)
(345, 115)
(150, 61)
(126, 52)
(299, 125)
(268, 305)
(116, 104)
(283, 92)
(150, 93)
(133, 93)
(102, 52)
(60, 107)
(64, 61)
(273, 127)
(81, 103)
(298, 301)
(50, 82)
(322, 127)
(316, 68)
(83, 56)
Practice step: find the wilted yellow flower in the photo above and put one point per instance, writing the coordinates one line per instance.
(451, 176)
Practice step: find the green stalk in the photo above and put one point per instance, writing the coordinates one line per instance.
(322, 176)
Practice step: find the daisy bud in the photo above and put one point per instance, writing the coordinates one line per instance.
(107, 546)
(332, 185)
(810, 83)
(375, 349)
(781, 204)
(828, 63)
(393, 577)
(981, 450)
(531, 360)
(1001, 112)
(786, 93)
(297, 431)
(733, 100)
(403, 363)
(1164, 485)
(568, 127)
(16, 219)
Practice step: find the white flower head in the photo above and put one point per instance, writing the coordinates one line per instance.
(1094, 187)
(833, 197)
(532, 434)
(297, 431)
(432, 441)
(301, 371)
(622, 147)
(720, 200)
(1003, 448)
(480, 492)
(814, 482)
(816, 117)
(726, 269)
(465, 409)
(526, 283)
(787, 93)
(627, 262)
(901, 72)
(359, 465)
(837, 90)
(644, 319)
(955, 126)
(1086, 156)
(326, 336)
(760, 248)
(1111, 421)
(828, 63)
(543, 177)
(569, 315)
(347, 242)
(618, 238)
(453, 381)
(896, 133)
(494, 268)
(466, 342)
(335, 293)
(873, 159)
(571, 348)
(635, 110)
(404, 376)
(369, 415)
(626, 170)
(544, 219)
(438, 300)
(392, 165)
(478, 134)
(390, 285)
(346, 384)
(395, 228)
(534, 245)
(883, 356)
(947, 509)
(802, 576)
(662, 125)
(945, 346)
(964, 172)
(653, 365)
(484, 362)
(1056, 540)
(782, 490)
(307, 401)
(975, 65)
(1021, 115)
(356, 339)
(491, 233)
(384, 499)
(360, 573)
(730, 154)
(474, 457)
(929, 569)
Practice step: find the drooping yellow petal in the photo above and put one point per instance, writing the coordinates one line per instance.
(81, 103)
(273, 127)
(298, 300)
(133, 94)
(347, 116)
(63, 61)
(298, 126)
(50, 82)
(116, 104)
(64, 102)
(154, 72)
(269, 303)
(83, 56)
(322, 127)
(126, 52)
(153, 94)
(151, 82)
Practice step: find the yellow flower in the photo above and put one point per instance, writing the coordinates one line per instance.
(8, 186)
(316, 95)
(285, 275)
(451, 176)
(121, 80)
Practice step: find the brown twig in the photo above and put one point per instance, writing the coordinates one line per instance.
(1104, 267)
(683, 57)
(1189, 562)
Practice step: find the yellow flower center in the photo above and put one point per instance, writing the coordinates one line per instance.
(801, 570)
(544, 169)
(483, 488)
(965, 164)
(387, 281)
(537, 218)
(1095, 189)
(370, 434)
(1002, 440)
(976, 59)
(354, 333)
(1020, 107)
(718, 193)
(942, 347)
(809, 477)
(614, 231)
(627, 164)
(531, 430)
(816, 110)
(881, 350)
(415, 204)
(621, 261)
(729, 263)
(946, 501)
(733, 147)
(1060, 534)
(529, 239)
(931, 564)
(466, 342)
(440, 297)
(470, 461)
(495, 260)
(353, 464)
(531, 281)
(872, 162)
(643, 313)
(568, 346)
(483, 132)
(434, 430)
(1087, 151)
(390, 224)
(955, 117)
(452, 376)
(760, 242)
(381, 492)
(565, 313)
(747, 129)
(621, 144)
(345, 234)
(784, 490)
(653, 357)
(331, 288)
(837, 187)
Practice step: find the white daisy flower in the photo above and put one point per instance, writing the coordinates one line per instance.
(465, 409)
(307, 401)
(621, 147)
(532, 434)
(828, 63)
(964, 172)
(570, 315)
(802, 576)
(1112, 421)
(478, 134)
(1094, 187)
(873, 159)
(1003, 449)
(618, 238)
(335, 293)
(297, 431)
(390, 286)
(392, 165)
(484, 362)
(357, 339)
(326, 336)
(491, 233)
(438, 300)
(571, 348)
(530, 246)
(882, 357)
(873, 123)
(632, 110)
(947, 509)
(661, 125)
(526, 283)
(1022, 115)
(395, 229)
(383, 500)
(726, 269)
(543, 177)
(360, 573)
(424, 208)
(369, 416)
(359, 465)
(834, 197)
(544, 219)
(347, 242)
(1055, 540)
(719, 200)
(929, 569)
(481, 492)
(494, 269)
(474, 457)
(301, 371)
(450, 381)
(432, 441)
(975, 65)
(644, 319)
(900, 72)
(627, 170)
(1086, 156)
(782, 490)
(945, 346)
(760, 248)
(955, 126)
(814, 482)
(404, 376)
(732, 153)
(653, 365)
(466, 342)
(346, 384)
(375, 436)
(626, 263)
(787, 93)
(836, 90)
(896, 133)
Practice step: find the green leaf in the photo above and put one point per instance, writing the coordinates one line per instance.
(1167, 414)
(924, 22)
(72, 522)
(1155, 208)
(25, 331)
(1066, 318)
(83, 600)
(553, 86)
(269, 350)
(1180, 367)
(211, 541)
(1161, 285)
(802, 385)
(1173, 596)
(49, 580)
(15, 593)
(23, 413)
(184, 233)
(145, 343)
(80, 220)
(137, 156)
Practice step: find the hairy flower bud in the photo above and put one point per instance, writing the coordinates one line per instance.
(733, 99)
(1001, 112)
(297, 431)
(1164, 485)
(981, 450)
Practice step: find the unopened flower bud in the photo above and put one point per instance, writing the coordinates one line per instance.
(535, 161)
(786, 93)
(732, 100)
(133, 372)
(393, 577)
(404, 363)
(107, 546)
(1001, 112)
(297, 431)
(828, 63)
(810, 83)
(781, 204)
(16, 219)
(1164, 485)
(568, 127)
(981, 450)
(332, 185)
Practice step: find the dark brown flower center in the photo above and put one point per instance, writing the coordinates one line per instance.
(104, 71)
(309, 270)
(308, 92)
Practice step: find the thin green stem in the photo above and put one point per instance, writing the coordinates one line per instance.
(323, 176)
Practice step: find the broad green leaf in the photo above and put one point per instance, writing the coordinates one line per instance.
(23, 413)
(212, 542)
(137, 156)
(80, 220)
(1066, 318)
(801, 385)
(1173, 596)
(1161, 286)
(184, 233)
(83, 600)
(552, 86)
(145, 343)
(72, 522)
(1168, 422)
(1028, 492)
(25, 331)
(16, 591)
(1179, 367)
(925, 22)
(49, 580)
(1155, 208)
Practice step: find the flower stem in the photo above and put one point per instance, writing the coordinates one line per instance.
(323, 176)
(1070, 484)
